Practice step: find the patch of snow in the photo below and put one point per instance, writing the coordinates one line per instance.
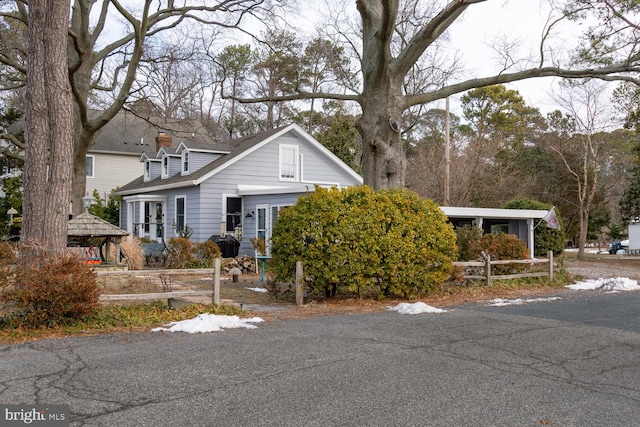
(613, 284)
(498, 302)
(415, 308)
(209, 323)
(263, 290)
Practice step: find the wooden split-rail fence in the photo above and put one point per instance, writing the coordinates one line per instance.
(489, 276)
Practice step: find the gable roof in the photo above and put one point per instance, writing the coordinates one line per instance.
(242, 148)
(127, 133)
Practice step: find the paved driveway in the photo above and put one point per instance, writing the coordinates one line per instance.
(574, 362)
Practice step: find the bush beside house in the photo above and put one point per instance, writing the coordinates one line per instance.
(357, 239)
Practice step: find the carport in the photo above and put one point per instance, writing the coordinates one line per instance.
(520, 222)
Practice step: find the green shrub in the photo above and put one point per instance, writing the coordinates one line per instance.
(53, 289)
(352, 239)
(545, 239)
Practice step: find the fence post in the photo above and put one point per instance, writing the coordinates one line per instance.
(550, 266)
(487, 269)
(216, 281)
(299, 292)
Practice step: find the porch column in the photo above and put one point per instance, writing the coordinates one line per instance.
(141, 219)
(530, 238)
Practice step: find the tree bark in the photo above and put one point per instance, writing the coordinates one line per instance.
(383, 160)
(49, 125)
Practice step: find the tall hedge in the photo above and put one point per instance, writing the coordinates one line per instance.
(353, 239)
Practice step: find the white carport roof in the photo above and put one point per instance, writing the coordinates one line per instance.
(458, 212)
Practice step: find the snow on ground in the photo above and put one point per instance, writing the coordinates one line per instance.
(209, 323)
(612, 285)
(415, 308)
(263, 290)
(498, 302)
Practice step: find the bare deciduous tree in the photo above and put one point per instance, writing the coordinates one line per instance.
(98, 62)
(585, 152)
(386, 63)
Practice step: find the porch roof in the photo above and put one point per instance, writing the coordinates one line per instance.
(460, 212)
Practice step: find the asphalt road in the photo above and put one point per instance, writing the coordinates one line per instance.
(573, 362)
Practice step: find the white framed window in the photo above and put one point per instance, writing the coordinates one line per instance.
(288, 162)
(181, 214)
(147, 170)
(90, 165)
(165, 166)
(185, 161)
(233, 213)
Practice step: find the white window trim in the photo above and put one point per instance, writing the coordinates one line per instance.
(296, 172)
(93, 165)
(186, 159)
(147, 170)
(223, 220)
(165, 166)
(175, 212)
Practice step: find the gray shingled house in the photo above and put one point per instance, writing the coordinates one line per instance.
(113, 161)
(234, 190)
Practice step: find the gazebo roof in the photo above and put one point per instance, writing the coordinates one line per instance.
(87, 225)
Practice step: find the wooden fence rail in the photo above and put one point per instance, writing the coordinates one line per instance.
(488, 277)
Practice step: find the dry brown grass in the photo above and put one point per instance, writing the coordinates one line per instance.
(133, 252)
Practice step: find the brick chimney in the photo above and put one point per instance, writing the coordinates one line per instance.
(162, 140)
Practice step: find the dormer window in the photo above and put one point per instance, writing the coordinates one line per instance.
(165, 166)
(147, 170)
(288, 162)
(185, 162)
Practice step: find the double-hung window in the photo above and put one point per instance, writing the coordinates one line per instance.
(180, 213)
(165, 166)
(288, 162)
(185, 162)
(90, 166)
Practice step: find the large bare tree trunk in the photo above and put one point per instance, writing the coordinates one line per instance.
(383, 161)
(49, 126)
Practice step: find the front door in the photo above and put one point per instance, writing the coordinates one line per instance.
(262, 231)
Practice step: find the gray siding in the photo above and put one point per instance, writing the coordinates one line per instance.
(316, 167)
(175, 165)
(123, 215)
(249, 224)
(155, 170)
(191, 218)
(261, 167)
(198, 160)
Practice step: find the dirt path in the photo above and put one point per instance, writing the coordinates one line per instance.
(605, 266)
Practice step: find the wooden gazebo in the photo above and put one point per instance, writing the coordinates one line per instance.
(85, 226)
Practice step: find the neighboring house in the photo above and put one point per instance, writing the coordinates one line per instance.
(520, 222)
(113, 161)
(235, 190)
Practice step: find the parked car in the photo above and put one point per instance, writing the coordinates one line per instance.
(619, 247)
